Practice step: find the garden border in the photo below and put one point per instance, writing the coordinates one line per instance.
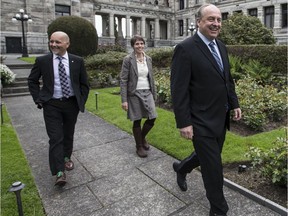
(257, 198)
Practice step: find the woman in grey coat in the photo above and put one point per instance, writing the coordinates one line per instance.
(138, 93)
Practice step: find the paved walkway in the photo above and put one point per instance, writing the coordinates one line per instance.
(109, 179)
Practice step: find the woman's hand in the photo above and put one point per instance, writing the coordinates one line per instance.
(125, 106)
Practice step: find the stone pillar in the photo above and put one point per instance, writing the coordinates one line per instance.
(111, 25)
(120, 33)
(157, 29)
(278, 17)
(169, 32)
(128, 36)
(260, 14)
(143, 27)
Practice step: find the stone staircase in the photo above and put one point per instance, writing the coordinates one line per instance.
(20, 86)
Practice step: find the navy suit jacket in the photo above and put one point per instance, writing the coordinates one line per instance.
(43, 67)
(200, 91)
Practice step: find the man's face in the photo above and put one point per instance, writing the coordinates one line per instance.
(210, 22)
(59, 43)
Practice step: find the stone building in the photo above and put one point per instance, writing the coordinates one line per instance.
(161, 22)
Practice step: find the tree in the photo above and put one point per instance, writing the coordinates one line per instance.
(82, 34)
(242, 29)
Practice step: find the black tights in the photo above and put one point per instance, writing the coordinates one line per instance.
(150, 122)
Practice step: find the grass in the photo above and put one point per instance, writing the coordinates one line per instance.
(165, 136)
(28, 59)
(14, 167)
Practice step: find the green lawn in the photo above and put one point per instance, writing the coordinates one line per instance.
(165, 136)
(14, 167)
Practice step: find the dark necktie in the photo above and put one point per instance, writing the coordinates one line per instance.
(63, 78)
(215, 55)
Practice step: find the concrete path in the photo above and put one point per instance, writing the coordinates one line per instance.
(109, 179)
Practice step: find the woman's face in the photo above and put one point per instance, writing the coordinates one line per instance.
(139, 46)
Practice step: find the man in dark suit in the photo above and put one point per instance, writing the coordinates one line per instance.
(64, 92)
(203, 93)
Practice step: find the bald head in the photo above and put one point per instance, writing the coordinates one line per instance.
(59, 43)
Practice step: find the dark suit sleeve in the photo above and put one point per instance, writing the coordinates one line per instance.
(180, 80)
(33, 81)
(84, 85)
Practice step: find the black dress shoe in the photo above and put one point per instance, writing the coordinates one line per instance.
(181, 178)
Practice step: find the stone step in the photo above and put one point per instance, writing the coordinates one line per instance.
(16, 94)
(13, 90)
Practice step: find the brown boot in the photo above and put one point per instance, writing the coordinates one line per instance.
(145, 130)
(138, 139)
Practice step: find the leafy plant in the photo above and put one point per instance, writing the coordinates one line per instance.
(162, 82)
(271, 163)
(243, 29)
(7, 76)
(260, 103)
(257, 71)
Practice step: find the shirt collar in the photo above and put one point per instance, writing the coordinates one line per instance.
(65, 56)
(204, 39)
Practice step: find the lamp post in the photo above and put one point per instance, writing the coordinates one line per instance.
(23, 18)
(192, 27)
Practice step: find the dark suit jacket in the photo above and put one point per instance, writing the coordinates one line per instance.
(43, 67)
(200, 92)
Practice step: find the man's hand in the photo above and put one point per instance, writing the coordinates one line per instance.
(125, 106)
(187, 132)
(237, 114)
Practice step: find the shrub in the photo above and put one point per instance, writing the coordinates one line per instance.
(260, 103)
(272, 163)
(82, 34)
(268, 55)
(243, 29)
(161, 57)
(162, 83)
(7, 76)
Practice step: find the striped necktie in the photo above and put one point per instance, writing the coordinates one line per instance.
(63, 78)
(215, 55)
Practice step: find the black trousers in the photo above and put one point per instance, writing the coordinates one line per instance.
(207, 155)
(60, 117)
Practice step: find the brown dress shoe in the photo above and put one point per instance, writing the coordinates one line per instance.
(69, 165)
(60, 179)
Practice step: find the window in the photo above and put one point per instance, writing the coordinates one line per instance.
(181, 28)
(225, 16)
(253, 12)
(284, 15)
(62, 10)
(269, 17)
(181, 6)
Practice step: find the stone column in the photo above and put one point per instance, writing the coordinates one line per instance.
(277, 18)
(143, 27)
(157, 29)
(260, 14)
(111, 25)
(120, 33)
(128, 36)
(169, 32)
